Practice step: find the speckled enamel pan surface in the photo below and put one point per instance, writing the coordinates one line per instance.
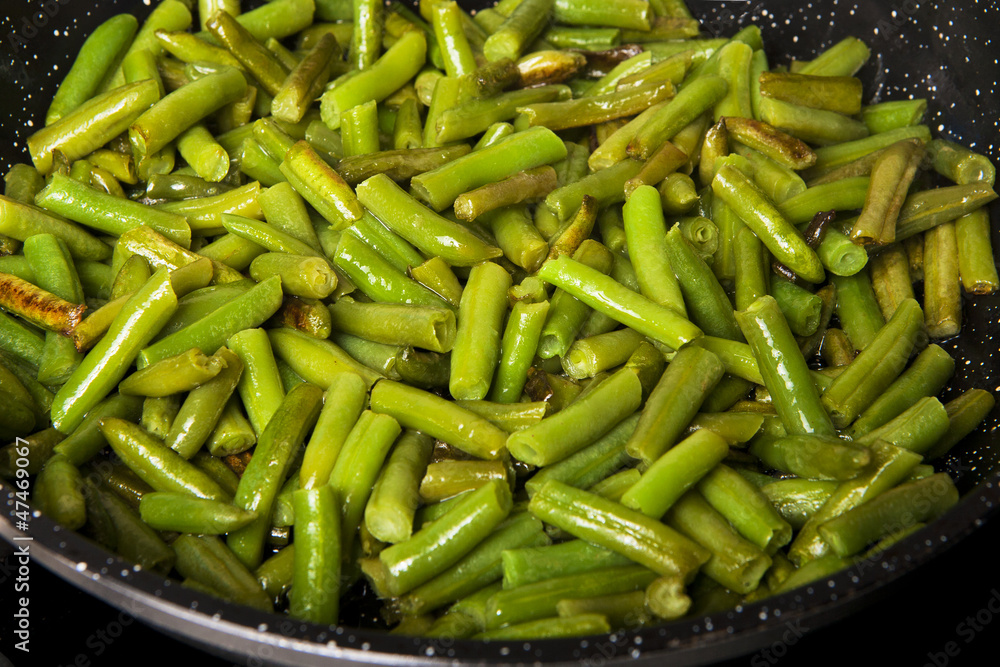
(945, 52)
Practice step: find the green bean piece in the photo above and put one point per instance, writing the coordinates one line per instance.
(446, 20)
(19, 221)
(180, 373)
(518, 30)
(893, 115)
(551, 441)
(520, 151)
(771, 142)
(800, 307)
(17, 383)
(366, 40)
(251, 53)
(395, 324)
(689, 103)
(832, 93)
(190, 48)
(438, 546)
(359, 129)
(517, 236)
(518, 607)
(746, 507)
(125, 531)
(783, 369)
(357, 467)
(108, 213)
(481, 567)
(812, 456)
(550, 628)
(842, 195)
(155, 463)
(248, 310)
(316, 361)
(21, 342)
(689, 377)
(965, 413)
(168, 118)
(107, 363)
(767, 222)
(321, 186)
(975, 255)
(591, 464)
(942, 282)
(891, 177)
(203, 407)
(517, 350)
(829, 158)
(897, 509)
(890, 279)
(644, 230)
(813, 125)
(528, 565)
(315, 591)
(395, 496)
(673, 473)
(407, 131)
(58, 492)
(431, 233)
(305, 82)
(267, 469)
(209, 160)
(92, 124)
(165, 510)
(399, 165)
(929, 208)
(708, 305)
(84, 442)
(100, 54)
(476, 351)
(436, 275)
(592, 39)
(734, 67)
(959, 163)
(423, 411)
(842, 59)
(208, 563)
(607, 296)
(394, 68)
(533, 184)
(509, 417)
(158, 414)
(875, 368)
(735, 563)
(857, 308)
(595, 354)
(629, 14)
(260, 384)
(926, 376)
(303, 276)
(594, 109)
(342, 406)
(606, 523)
(447, 479)
(796, 500)
(53, 270)
(752, 271)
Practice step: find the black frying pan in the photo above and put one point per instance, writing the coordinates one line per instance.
(922, 49)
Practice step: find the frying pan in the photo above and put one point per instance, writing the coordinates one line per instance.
(931, 50)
